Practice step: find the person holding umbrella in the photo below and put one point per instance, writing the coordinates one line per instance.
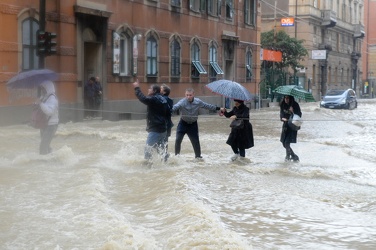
(240, 138)
(49, 105)
(289, 107)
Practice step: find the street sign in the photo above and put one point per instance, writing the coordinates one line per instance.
(319, 54)
(287, 21)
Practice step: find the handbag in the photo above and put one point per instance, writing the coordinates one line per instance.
(39, 119)
(237, 124)
(295, 121)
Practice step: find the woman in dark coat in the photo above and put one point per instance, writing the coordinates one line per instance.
(239, 139)
(288, 107)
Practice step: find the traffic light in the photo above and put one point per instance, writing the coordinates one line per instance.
(41, 42)
(50, 43)
(45, 43)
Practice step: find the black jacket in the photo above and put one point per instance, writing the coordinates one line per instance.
(241, 138)
(157, 111)
(288, 135)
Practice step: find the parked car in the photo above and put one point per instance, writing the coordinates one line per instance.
(339, 99)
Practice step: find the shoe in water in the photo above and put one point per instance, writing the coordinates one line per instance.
(199, 158)
(234, 157)
(166, 156)
(287, 158)
(295, 158)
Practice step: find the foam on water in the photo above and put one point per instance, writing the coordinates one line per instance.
(96, 192)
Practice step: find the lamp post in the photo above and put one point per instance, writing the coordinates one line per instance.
(42, 26)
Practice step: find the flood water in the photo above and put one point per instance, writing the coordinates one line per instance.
(95, 192)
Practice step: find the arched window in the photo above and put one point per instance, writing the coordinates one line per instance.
(175, 57)
(125, 54)
(248, 65)
(196, 68)
(151, 56)
(29, 44)
(214, 69)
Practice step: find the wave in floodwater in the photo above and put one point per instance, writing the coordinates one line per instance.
(95, 191)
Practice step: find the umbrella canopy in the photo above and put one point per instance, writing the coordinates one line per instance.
(230, 89)
(296, 91)
(31, 79)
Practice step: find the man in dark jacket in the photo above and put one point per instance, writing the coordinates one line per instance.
(89, 100)
(165, 91)
(157, 115)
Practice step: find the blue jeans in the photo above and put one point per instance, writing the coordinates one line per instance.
(155, 140)
(46, 135)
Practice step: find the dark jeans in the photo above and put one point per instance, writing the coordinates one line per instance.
(191, 129)
(89, 106)
(46, 135)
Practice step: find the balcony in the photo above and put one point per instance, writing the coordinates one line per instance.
(329, 18)
(359, 31)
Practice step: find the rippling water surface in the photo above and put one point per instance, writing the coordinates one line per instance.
(95, 192)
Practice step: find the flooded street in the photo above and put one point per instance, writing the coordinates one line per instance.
(95, 192)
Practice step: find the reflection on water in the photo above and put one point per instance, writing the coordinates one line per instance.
(95, 192)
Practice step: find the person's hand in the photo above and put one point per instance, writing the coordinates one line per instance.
(284, 119)
(233, 117)
(291, 109)
(136, 84)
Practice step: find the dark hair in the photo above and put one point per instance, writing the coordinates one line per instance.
(92, 79)
(156, 89)
(166, 89)
(239, 101)
(291, 100)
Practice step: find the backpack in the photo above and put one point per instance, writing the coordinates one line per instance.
(39, 119)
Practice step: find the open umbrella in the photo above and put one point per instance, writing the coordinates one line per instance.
(31, 79)
(296, 91)
(230, 89)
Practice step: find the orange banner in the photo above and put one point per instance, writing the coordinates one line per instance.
(271, 55)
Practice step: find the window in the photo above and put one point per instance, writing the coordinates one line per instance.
(29, 44)
(175, 3)
(151, 56)
(175, 58)
(122, 52)
(250, 12)
(229, 9)
(214, 69)
(194, 5)
(248, 64)
(214, 7)
(196, 67)
(314, 74)
(125, 54)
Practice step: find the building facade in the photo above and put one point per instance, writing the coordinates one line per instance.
(369, 49)
(181, 43)
(333, 31)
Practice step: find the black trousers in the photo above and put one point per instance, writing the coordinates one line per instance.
(191, 129)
